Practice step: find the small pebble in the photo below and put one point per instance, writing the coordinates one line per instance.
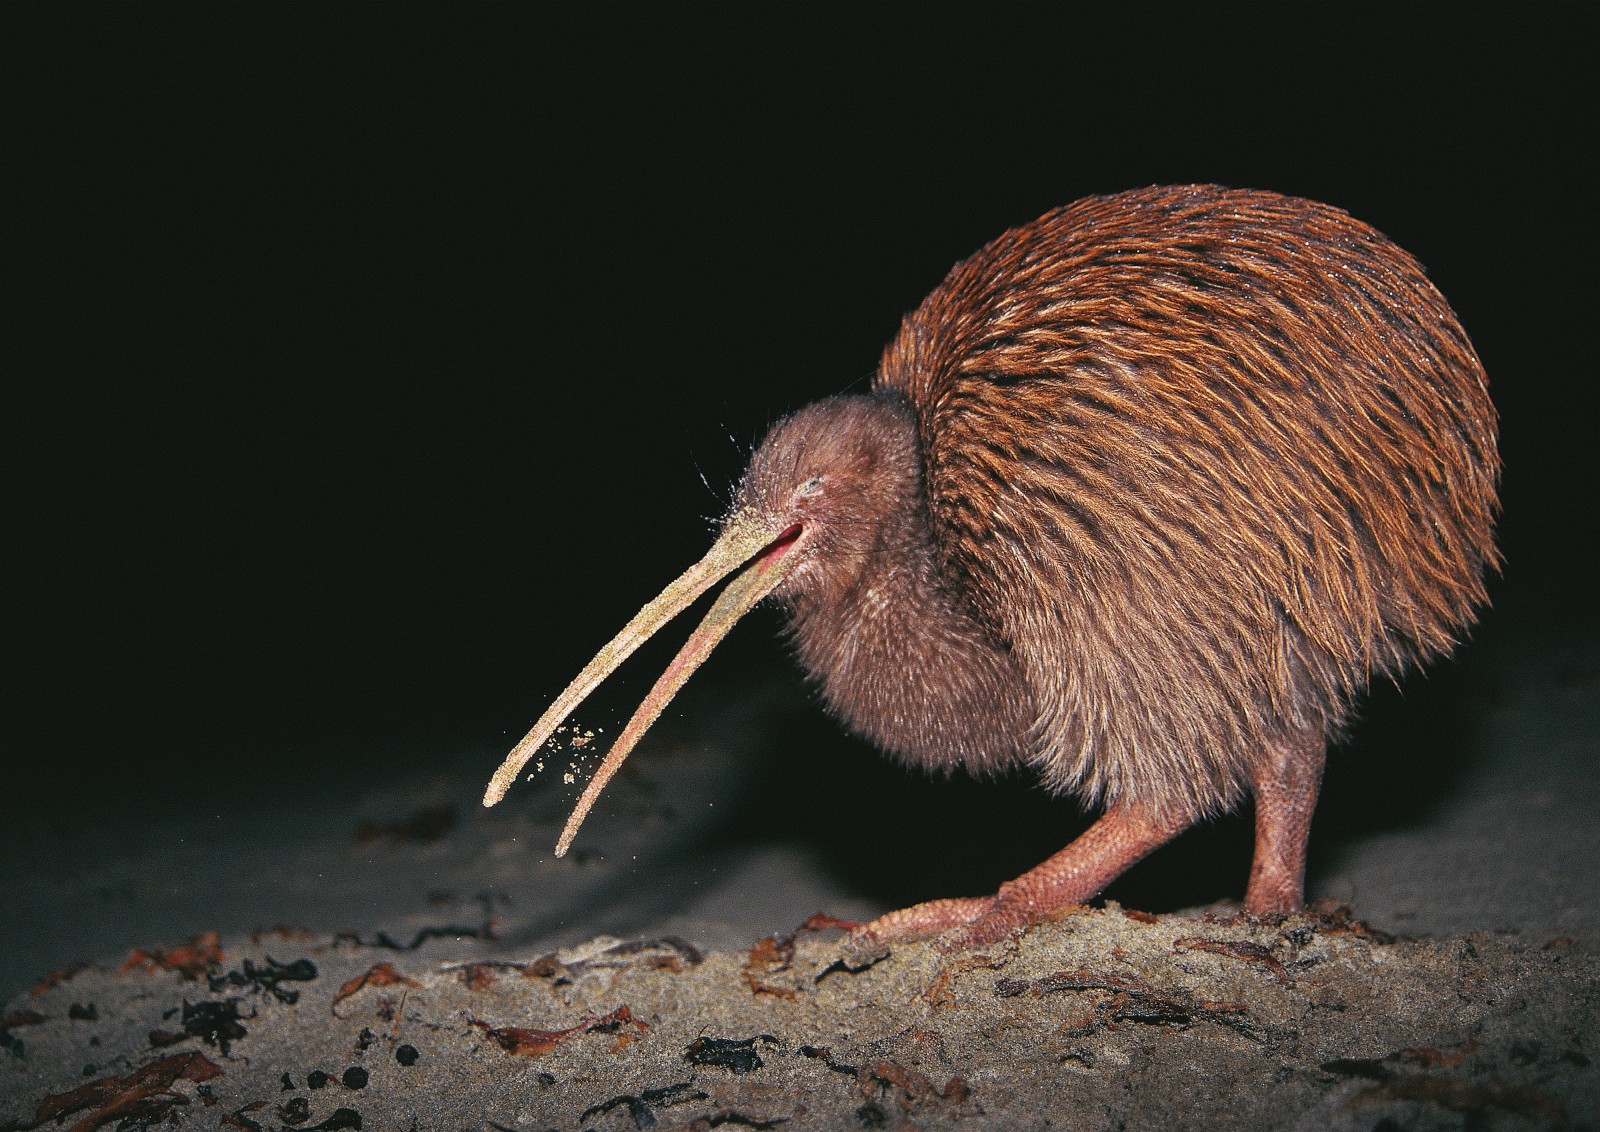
(355, 1078)
(297, 1111)
(406, 1055)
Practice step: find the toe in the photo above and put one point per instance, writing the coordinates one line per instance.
(923, 920)
(1001, 920)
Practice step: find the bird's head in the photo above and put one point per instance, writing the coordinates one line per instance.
(805, 520)
(823, 484)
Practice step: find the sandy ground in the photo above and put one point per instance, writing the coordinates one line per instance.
(1098, 1020)
(393, 956)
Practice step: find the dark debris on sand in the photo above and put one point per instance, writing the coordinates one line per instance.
(1097, 1020)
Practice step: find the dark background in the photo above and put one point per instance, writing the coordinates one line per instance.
(363, 363)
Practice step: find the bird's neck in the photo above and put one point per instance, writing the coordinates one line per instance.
(899, 656)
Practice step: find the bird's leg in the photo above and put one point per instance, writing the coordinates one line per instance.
(1286, 782)
(1110, 846)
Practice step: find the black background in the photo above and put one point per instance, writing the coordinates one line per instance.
(363, 362)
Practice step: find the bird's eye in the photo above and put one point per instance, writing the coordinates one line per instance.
(811, 486)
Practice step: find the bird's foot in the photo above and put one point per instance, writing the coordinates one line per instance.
(1121, 836)
(920, 921)
(970, 922)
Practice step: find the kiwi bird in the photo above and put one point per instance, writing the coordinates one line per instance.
(1142, 496)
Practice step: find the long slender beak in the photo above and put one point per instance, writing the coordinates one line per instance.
(744, 540)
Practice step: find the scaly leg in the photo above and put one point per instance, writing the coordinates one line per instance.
(1107, 849)
(1286, 783)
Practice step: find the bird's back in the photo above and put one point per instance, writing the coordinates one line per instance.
(1207, 460)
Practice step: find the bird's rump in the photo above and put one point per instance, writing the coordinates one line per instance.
(1206, 460)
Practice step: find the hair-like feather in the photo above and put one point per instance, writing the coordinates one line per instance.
(1195, 463)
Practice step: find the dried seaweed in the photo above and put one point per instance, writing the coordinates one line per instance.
(768, 955)
(377, 975)
(216, 1023)
(642, 1107)
(524, 1042)
(191, 960)
(1133, 1000)
(825, 1055)
(489, 929)
(908, 1088)
(663, 953)
(775, 953)
(268, 979)
(737, 1055)
(144, 1094)
(1079, 978)
(1334, 917)
(940, 992)
(1236, 949)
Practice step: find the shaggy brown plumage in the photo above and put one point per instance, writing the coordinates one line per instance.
(1205, 460)
(1144, 493)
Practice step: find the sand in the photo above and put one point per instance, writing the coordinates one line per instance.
(1101, 1019)
(392, 956)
